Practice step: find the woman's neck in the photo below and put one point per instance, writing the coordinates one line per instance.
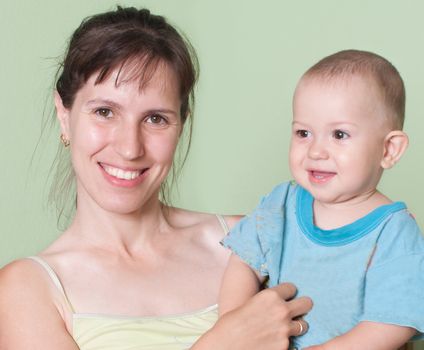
(126, 233)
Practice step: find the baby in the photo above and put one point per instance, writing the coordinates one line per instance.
(357, 254)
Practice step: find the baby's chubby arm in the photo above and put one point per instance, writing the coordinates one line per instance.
(239, 284)
(369, 335)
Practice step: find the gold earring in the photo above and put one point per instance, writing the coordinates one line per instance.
(64, 140)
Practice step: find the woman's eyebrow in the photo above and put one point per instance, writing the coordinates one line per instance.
(103, 101)
(116, 105)
(161, 110)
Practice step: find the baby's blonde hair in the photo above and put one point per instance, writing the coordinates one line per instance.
(348, 63)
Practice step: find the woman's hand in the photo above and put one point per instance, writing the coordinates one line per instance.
(266, 321)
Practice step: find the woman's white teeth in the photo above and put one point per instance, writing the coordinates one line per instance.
(121, 174)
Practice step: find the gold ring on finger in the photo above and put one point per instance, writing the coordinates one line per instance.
(300, 327)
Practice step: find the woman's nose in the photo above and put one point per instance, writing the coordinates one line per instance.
(129, 141)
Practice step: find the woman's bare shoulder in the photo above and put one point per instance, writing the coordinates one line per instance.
(231, 220)
(203, 222)
(18, 274)
(30, 309)
(23, 288)
(26, 282)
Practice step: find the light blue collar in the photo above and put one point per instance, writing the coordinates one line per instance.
(342, 235)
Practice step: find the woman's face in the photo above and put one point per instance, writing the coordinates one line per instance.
(123, 139)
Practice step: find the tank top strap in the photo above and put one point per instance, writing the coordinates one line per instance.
(223, 223)
(54, 278)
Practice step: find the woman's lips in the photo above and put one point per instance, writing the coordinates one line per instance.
(123, 177)
(121, 173)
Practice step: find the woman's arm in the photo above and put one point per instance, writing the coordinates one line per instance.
(30, 313)
(264, 322)
(239, 284)
(370, 335)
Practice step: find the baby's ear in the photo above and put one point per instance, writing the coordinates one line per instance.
(395, 144)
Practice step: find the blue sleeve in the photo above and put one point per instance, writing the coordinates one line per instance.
(394, 286)
(243, 241)
(257, 238)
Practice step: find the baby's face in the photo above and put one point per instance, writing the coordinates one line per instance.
(337, 143)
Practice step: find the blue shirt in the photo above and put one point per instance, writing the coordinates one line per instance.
(369, 270)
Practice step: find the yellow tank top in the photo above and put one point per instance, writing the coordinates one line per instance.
(95, 332)
(102, 332)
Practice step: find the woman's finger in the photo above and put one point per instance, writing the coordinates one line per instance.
(298, 327)
(299, 306)
(286, 291)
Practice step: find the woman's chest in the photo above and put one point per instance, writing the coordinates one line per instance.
(150, 287)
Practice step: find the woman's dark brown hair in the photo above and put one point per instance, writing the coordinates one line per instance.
(114, 39)
(129, 40)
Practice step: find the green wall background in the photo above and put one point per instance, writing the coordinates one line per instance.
(251, 56)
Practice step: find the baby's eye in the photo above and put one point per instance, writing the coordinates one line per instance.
(157, 120)
(303, 133)
(104, 112)
(340, 135)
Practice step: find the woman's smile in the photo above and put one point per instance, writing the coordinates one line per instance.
(123, 177)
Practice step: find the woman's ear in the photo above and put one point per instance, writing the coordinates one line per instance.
(62, 115)
(395, 144)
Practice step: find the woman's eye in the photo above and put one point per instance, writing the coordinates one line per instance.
(104, 112)
(303, 133)
(156, 120)
(340, 135)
